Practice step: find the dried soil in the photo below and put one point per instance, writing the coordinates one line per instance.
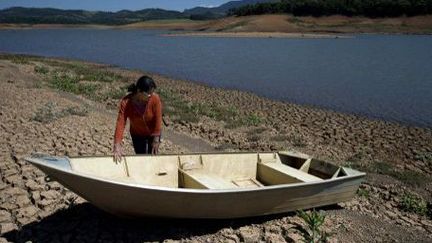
(38, 211)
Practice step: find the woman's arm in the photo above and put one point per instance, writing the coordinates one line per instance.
(120, 127)
(157, 109)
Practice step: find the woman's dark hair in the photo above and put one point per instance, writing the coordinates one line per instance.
(145, 83)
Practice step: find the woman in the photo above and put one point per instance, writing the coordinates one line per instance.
(143, 108)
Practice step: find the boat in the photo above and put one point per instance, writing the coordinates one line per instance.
(218, 185)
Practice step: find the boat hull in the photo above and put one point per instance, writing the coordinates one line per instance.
(133, 200)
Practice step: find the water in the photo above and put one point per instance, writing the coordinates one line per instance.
(380, 76)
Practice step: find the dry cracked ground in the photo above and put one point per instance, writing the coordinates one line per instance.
(392, 205)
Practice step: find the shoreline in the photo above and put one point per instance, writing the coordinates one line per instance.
(64, 121)
(273, 23)
(249, 93)
(258, 35)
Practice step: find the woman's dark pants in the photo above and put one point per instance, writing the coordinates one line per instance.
(142, 145)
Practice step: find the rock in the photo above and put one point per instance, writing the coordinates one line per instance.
(22, 201)
(8, 206)
(45, 202)
(10, 172)
(56, 186)
(5, 216)
(7, 227)
(36, 196)
(409, 220)
(24, 221)
(273, 238)
(28, 212)
(3, 240)
(249, 235)
(33, 185)
(392, 215)
(2, 185)
(50, 194)
(14, 191)
(272, 229)
(426, 222)
(44, 214)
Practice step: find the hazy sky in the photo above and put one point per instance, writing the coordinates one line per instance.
(111, 5)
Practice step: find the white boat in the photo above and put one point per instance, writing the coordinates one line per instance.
(222, 185)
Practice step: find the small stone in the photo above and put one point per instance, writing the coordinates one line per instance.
(2, 185)
(409, 220)
(15, 191)
(33, 185)
(273, 238)
(24, 221)
(10, 172)
(5, 216)
(22, 201)
(44, 214)
(426, 222)
(3, 240)
(36, 196)
(8, 206)
(50, 194)
(7, 227)
(45, 202)
(28, 212)
(56, 186)
(391, 215)
(249, 235)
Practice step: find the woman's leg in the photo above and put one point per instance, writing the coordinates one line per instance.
(139, 144)
(142, 145)
(149, 144)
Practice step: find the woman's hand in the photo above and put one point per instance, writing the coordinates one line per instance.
(117, 153)
(155, 145)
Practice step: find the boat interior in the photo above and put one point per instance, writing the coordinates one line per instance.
(211, 171)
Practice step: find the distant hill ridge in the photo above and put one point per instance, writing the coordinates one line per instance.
(224, 8)
(21, 15)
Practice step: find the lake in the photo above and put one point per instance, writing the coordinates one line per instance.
(380, 76)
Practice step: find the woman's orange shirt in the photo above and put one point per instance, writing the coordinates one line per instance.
(144, 119)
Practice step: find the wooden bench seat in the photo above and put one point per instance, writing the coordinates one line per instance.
(199, 180)
(276, 173)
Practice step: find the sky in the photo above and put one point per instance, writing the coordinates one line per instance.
(111, 5)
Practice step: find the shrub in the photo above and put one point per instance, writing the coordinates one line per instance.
(49, 112)
(17, 59)
(46, 113)
(70, 83)
(312, 231)
(253, 120)
(414, 204)
(363, 193)
(41, 69)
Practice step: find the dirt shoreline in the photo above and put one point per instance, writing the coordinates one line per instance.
(34, 116)
(258, 35)
(275, 23)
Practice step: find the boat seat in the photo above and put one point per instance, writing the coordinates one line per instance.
(276, 173)
(198, 179)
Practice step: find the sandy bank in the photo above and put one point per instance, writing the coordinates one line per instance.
(277, 23)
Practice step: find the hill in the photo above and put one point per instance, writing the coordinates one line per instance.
(222, 10)
(19, 15)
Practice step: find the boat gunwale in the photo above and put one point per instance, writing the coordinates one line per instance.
(39, 161)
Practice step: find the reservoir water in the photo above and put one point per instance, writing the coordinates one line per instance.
(380, 76)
